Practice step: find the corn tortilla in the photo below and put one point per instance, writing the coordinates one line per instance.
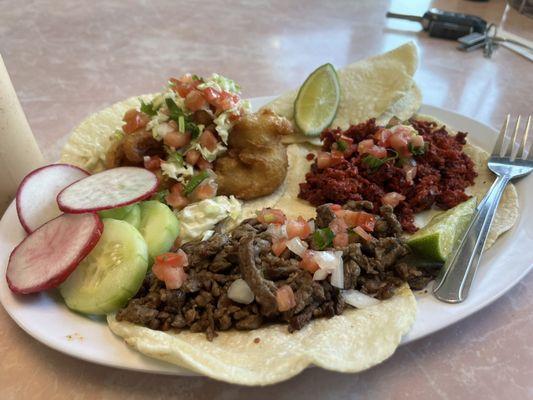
(351, 342)
(369, 88)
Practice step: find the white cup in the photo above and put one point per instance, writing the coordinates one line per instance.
(19, 153)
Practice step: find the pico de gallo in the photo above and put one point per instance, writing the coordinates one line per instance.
(179, 133)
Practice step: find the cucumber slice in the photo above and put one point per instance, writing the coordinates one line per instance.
(131, 214)
(159, 227)
(112, 272)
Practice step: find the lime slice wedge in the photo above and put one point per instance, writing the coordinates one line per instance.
(437, 239)
(316, 105)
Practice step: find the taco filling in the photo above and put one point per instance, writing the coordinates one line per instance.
(184, 135)
(410, 167)
(271, 269)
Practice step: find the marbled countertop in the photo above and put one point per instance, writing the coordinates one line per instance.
(69, 59)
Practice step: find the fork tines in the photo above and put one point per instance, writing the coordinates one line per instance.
(512, 147)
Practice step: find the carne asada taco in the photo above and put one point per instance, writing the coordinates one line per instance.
(275, 295)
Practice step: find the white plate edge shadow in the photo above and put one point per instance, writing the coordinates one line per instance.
(117, 354)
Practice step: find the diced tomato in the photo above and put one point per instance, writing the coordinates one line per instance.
(234, 116)
(174, 260)
(152, 163)
(323, 159)
(175, 198)
(298, 227)
(285, 298)
(226, 101)
(341, 240)
(358, 218)
(177, 139)
(335, 207)
(211, 95)
(308, 262)
(177, 188)
(368, 147)
(365, 145)
(417, 141)
(271, 216)
(134, 120)
(195, 100)
(361, 232)
(208, 140)
(159, 271)
(399, 142)
(205, 190)
(338, 225)
(184, 85)
(392, 199)
(175, 278)
(382, 137)
(181, 88)
(169, 267)
(203, 164)
(279, 246)
(192, 156)
(337, 157)
(347, 144)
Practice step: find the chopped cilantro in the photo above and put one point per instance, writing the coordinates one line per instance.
(181, 124)
(174, 111)
(375, 162)
(193, 129)
(148, 108)
(323, 238)
(194, 182)
(160, 196)
(175, 157)
(196, 78)
(341, 145)
(417, 151)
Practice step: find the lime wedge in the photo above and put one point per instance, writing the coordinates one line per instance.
(437, 239)
(316, 105)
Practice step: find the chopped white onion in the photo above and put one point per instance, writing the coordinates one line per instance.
(277, 231)
(337, 275)
(358, 299)
(329, 262)
(297, 246)
(240, 292)
(320, 275)
(311, 224)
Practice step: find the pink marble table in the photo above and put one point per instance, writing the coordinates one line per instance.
(68, 59)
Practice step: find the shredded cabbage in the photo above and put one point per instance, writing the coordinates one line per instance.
(177, 171)
(220, 83)
(210, 155)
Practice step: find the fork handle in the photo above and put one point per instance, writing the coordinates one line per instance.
(453, 284)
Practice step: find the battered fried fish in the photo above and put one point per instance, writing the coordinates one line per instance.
(256, 161)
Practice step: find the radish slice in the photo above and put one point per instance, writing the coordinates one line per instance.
(45, 258)
(36, 195)
(112, 188)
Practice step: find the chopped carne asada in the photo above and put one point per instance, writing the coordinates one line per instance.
(274, 269)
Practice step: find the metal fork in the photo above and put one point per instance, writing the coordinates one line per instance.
(453, 283)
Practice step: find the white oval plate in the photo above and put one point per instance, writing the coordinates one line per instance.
(47, 319)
